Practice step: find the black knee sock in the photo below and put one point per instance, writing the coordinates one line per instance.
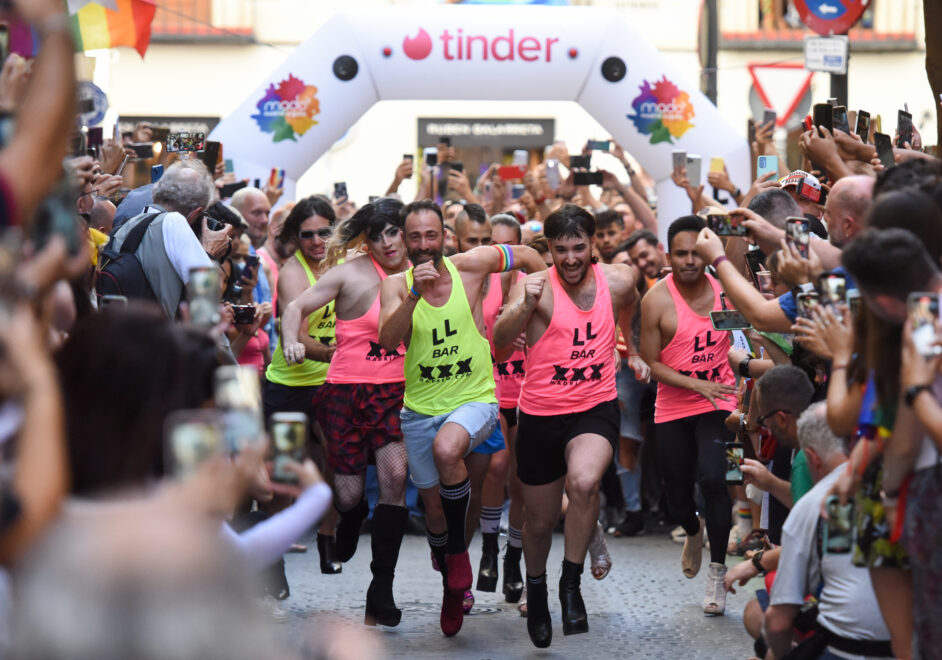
(437, 543)
(455, 500)
(539, 579)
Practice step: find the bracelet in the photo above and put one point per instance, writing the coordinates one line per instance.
(744, 367)
(720, 259)
(415, 295)
(757, 562)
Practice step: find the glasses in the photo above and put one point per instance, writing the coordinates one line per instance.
(309, 234)
(761, 419)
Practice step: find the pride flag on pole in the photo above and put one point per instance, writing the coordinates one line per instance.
(110, 23)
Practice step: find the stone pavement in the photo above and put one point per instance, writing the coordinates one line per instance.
(644, 608)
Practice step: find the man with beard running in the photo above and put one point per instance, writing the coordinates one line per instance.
(449, 403)
(358, 407)
(568, 419)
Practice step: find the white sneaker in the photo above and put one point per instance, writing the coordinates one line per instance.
(598, 551)
(715, 600)
(678, 535)
(272, 611)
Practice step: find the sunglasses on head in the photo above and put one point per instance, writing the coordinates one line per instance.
(308, 234)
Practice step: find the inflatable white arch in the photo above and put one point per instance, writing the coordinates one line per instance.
(583, 54)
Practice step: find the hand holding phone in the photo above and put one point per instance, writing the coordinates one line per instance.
(884, 146)
(904, 127)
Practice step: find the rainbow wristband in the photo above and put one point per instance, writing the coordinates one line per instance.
(414, 292)
(506, 257)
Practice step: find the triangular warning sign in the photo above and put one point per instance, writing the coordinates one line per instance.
(780, 86)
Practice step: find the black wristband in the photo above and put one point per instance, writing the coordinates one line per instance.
(744, 367)
(757, 562)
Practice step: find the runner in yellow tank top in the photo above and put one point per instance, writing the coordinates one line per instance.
(436, 309)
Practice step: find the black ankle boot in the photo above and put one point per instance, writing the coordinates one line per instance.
(487, 571)
(389, 524)
(539, 623)
(513, 581)
(327, 549)
(348, 530)
(575, 619)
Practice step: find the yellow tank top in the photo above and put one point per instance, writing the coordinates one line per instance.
(448, 363)
(320, 325)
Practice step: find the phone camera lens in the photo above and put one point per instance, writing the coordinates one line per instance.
(345, 67)
(614, 69)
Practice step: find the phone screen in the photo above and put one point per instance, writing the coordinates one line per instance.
(769, 116)
(838, 532)
(755, 261)
(824, 115)
(729, 319)
(832, 288)
(192, 436)
(340, 190)
(863, 125)
(807, 302)
(202, 294)
(726, 224)
(237, 387)
(734, 458)
(904, 126)
(923, 314)
(599, 145)
(580, 162)
(840, 119)
(289, 438)
(884, 145)
(679, 159)
(798, 233)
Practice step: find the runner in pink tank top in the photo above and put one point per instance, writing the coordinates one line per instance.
(358, 407)
(696, 350)
(568, 423)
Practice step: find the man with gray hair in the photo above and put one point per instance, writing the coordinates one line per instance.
(849, 619)
(171, 245)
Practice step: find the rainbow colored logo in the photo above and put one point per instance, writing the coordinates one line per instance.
(662, 111)
(288, 110)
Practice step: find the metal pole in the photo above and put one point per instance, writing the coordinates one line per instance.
(713, 43)
(839, 84)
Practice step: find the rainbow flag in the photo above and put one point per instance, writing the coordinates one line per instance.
(95, 26)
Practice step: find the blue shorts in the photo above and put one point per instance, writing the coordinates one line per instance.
(493, 444)
(419, 431)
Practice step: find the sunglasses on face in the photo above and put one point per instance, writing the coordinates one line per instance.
(309, 234)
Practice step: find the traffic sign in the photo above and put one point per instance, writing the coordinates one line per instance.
(96, 103)
(827, 17)
(780, 86)
(828, 54)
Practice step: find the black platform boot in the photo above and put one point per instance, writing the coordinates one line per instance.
(539, 623)
(348, 530)
(575, 619)
(389, 524)
(487, 571)
(513, 581)
(327, 549)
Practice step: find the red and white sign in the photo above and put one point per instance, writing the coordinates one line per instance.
(780, 86)
(829, 17)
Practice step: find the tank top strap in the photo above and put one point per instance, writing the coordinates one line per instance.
(379, 269)
(680, 303)
(559, 293)
(312, 280)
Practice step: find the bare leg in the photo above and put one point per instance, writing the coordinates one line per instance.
(587, 457)
(451, 444)
(894, 590)
(434, 517)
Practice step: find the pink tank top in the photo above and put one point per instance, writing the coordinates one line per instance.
(571, 368)
(696, 350)
(508, 375)
(359, 358)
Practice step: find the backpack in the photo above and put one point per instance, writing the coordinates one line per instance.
(120, 272)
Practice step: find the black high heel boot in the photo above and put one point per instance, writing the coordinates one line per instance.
(575, 619)
(389, 524)
(539, 623)
(327, 549)
(348, 530)
(513, 581)
(487, 571)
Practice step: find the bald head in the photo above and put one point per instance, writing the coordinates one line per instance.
(846, 207)
(253, 204)
(101, 217)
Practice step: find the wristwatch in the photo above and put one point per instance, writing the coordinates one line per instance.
(757, 562)
(744, 367)
(913, 391)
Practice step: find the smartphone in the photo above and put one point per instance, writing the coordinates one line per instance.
(769, 116)
(679, 159)
(904, 126)
(798, 233)
(832, 288)
(552, 173)
(229, 166)
(806, 302)
(210, 156)
(340, 190)
(824, 115)
(521, 156)
(751, 130)
(884, 145)
(755, 261)
(276, 179)
(236, 387)
(513, 172)
(923, 314)
(178, 142)
(156, 172)
(863, 125)
(853, 301)
(143, 150)
(243, 314)
(517, 189)
(289, 438)
(431, 156)
(457, 167)
(717, 164)
(734, 457)
(580, 162)
(693, 169)
(766, 164)
(600, 145)
(840, 119)
(726, 224)
(241, 429)
(192, 436)
(833, 101)
(587, 178)
(729, 319)
(230, 189)
(838, 529)
(112, 301)
(251, 261)
(410, 158)
(203, 296)
(764, 282)
(94, 140)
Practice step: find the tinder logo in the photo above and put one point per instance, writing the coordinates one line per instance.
(456, 45)
(418, 47)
